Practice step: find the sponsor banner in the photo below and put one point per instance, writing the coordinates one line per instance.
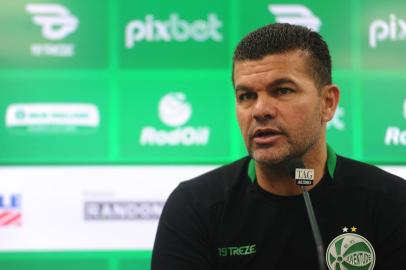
(54, 34)
(339, 129)
(178, 35)
(384, 34)
(52, 114)
(86, 207)
(72, 207)
(122, 210)
(65, 123)
(331, 20)
(384, 122)
(75, 212)
(10, 210)
(172, 121)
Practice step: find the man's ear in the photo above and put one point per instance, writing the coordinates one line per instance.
(330, 96)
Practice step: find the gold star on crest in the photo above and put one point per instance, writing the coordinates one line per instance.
(354, 229)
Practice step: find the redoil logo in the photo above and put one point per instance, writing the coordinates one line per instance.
(175, 111)
(173, 29)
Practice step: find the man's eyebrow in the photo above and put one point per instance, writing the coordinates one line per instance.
(278, 82)
(273, 84)
(243, 88)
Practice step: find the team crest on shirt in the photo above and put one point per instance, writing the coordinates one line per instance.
(350, 251)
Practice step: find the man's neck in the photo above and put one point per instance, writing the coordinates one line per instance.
(277, 179)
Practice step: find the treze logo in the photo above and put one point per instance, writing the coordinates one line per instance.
(55, 20)
(10, 210)
(56, 23)
(394, 135)
(295, 14)
(173, 29)
(379, 30)
(175, 111)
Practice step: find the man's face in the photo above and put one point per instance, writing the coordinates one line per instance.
(279, 108)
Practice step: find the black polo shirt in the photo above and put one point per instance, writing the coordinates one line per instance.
(225, 220)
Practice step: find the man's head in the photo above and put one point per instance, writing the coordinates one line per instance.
(282, 80)
(280, 38)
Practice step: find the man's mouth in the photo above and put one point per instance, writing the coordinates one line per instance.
(266, 136)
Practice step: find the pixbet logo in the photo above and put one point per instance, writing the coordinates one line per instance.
(295, 14)
(173, 29)
(56, 23)
(394, 135)
(175, 111)
(380, 30)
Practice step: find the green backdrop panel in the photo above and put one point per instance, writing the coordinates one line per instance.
(331, 19)
(54, 35)
(68, 122)
(79, 260)
(384, 125)
(176, 121)
(157, 35)
(384, 34)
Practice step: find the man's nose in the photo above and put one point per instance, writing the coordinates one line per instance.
(264, 109)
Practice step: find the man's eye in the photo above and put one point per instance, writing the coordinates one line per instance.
(246, 96)
(283, 91)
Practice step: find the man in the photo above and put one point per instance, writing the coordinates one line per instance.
(250, 214)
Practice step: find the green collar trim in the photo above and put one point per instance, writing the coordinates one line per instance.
(331, 165)
(251, 171)
(331, 161)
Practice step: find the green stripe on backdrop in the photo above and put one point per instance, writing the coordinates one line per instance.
(356, 99)
(77, 260)
(113, 82)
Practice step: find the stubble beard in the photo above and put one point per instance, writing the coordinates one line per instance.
(278, 154)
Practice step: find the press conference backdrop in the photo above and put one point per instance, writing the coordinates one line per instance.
(107, 105)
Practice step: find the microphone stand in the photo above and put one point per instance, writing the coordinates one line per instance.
(315, 228)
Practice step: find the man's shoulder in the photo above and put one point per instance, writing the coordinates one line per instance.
(220, 179)
(369, 176)
(355, 168)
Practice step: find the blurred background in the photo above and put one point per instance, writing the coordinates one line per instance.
(107, 105)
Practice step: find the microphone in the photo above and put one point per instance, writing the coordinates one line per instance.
(304, 177)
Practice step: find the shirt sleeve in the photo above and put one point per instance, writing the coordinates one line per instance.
(182, 239)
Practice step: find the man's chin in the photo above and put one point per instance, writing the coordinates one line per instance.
(269, 158)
